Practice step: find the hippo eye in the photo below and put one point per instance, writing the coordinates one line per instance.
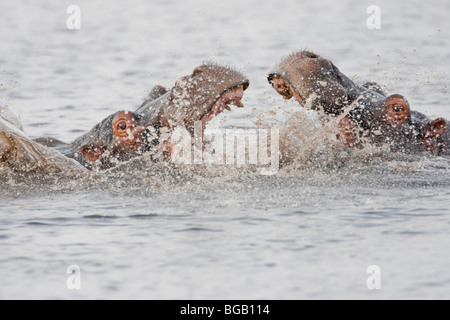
(122, 125)
(397, 108)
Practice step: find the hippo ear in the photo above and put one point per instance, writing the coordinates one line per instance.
(374, 87)
(438, 127)
(91, 153)
(397, 110)
(156, 92)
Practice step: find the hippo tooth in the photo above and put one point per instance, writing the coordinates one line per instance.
(239, 104)
(228, 108)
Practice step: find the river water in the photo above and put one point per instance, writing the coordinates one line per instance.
(311, 231)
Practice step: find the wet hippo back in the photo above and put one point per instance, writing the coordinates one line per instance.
(11, 116)
(19, 152)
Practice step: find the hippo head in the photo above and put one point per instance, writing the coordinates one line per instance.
(377, 117)
(313, 81)
(378, 113)
(384, 119)
(389, 119)
(197, 97)
(200, 96)
(119, 137)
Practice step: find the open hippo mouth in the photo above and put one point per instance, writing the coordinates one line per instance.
(232, 96)
(200, 96)
(194, 99)
(314, 82)
(285, 88)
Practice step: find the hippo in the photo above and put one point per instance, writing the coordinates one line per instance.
(200, 96)
(364, 110)
(389, 119)
(314, 82)
(117, 138)
(208, 91)
(19, 152)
